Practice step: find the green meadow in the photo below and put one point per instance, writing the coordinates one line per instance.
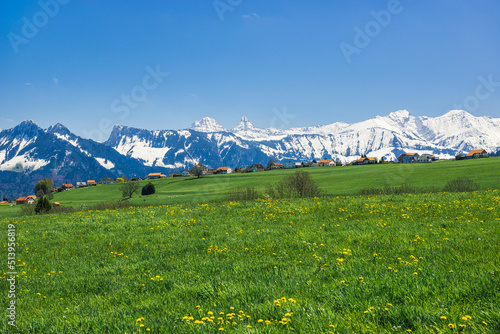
(425, 263)
(345, 180)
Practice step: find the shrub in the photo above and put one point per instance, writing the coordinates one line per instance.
(460, 185)
(297, 185)
(242, 194)
(148, 189)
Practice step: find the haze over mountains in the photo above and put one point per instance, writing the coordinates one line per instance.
(28, 152)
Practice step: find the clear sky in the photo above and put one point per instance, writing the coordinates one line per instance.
(90, 64)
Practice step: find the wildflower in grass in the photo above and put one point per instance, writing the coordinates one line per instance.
(462, 326)
(260, 320)
(442, 317)
(451, 325)
(484, 323)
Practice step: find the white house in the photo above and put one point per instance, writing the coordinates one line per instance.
(326, 162)
(427, 158)
(224, 170)
(291, 164)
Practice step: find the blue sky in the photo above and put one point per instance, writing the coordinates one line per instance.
(91, 64)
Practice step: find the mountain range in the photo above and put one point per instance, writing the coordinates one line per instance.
(29, 153)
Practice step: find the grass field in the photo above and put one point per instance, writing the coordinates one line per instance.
(346, 180)
(353, 264)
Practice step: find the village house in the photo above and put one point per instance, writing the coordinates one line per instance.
(211, 171)
(427, 158)
(326, 163)
(291, 164)
(56, 204)
(33, 197)
(408, 157)
(276, 165)
(152, 176)
(224, 170)
(81, 184)
(474, 154)
(106, 180)
(255, 168)
(67, 186)
(25, 200)
(185, 173)
(366, 161)
(91, 183)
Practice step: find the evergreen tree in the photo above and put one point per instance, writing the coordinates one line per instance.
(43, 205)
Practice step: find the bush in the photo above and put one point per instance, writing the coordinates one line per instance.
(148, 189)
(242, 194)
(297, 185)
(43, 205)
(460, 185)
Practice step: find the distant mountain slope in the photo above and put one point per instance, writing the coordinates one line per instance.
(29, 153)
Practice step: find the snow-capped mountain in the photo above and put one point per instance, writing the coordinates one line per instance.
(207, 124)
(28, 152)
(388, 136)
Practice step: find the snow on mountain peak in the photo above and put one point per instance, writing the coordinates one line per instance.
(457, 113)
(207, 124)
(399, 114)
(244, 125)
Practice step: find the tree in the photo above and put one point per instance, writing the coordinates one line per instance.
(338, 163)
(299, 184)
(119, 179)
(270, 163)
(43, 205)
(129, 188)
(198, 170)
(148, 189)
(45, 185)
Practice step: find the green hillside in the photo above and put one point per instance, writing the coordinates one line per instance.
(345, 180)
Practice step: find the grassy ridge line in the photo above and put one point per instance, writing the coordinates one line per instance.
(363, 264)
(346, 180)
